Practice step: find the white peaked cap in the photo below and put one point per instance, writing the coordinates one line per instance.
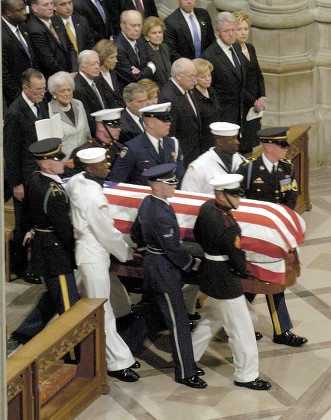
(226, 182)
(224, 129)
(107, 114)
(92, 155)
(150, 109)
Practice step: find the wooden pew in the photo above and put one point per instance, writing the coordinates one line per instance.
(38, 366)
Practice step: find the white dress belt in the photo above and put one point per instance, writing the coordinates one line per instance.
(216, 257)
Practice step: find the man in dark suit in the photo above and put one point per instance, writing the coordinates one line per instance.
(135, 97)
(17, 52)
(133, 59)
(19, 134)
(76, 27)
(85, 88)
(145, 7)
(189, 31)
(228, 77)
(99, 15)
(151, 148)
(52, 46)
(185, 118)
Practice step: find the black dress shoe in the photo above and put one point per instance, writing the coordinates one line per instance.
(192, 382)
(258, 335)
(136, 365)
(32, 278)
(290, 339)
(194, 317)
(192, 325)
(125, 375)
(200, 372)
(258, 384)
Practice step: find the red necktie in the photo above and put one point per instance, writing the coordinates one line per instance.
(140, 7)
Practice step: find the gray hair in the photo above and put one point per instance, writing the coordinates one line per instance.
(131, 89)
(126, 14)
(83, 56)
(179, 66)
(59, 79)
(224, 17)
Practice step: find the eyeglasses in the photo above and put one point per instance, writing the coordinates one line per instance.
(189, 76)
(36, 91)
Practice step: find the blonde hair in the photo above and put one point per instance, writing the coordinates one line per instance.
(149, 86)
(202, 65)
(105, 48)
(242, 16)
(150, 23)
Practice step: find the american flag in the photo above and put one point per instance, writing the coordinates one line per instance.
(269, 231)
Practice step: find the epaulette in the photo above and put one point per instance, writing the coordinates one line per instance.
(249, 160)
(288, 161)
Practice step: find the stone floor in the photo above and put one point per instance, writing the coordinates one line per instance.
(300, 376)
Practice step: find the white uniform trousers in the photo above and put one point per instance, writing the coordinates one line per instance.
(235, 316)
(96, 284)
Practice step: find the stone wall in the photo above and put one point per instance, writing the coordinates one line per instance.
(292, 40)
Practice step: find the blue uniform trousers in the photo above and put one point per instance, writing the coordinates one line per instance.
(60, 295)
(280, 317)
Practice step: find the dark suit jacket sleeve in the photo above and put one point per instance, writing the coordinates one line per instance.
(123, 68)
(171, 39)
(42, 43)
(257, 79)
(12, 149)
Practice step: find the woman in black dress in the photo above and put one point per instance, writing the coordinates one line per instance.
(208, 103)
(153, 30)
(254, 86)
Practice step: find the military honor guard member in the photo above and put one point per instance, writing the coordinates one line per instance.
(108, 129)
(97, 238)
(270, 177)
(165, 260)
(217, 231)
(151, 148)
(223, 158)
(52, 248)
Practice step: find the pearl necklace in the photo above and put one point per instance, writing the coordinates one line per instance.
(65, 108)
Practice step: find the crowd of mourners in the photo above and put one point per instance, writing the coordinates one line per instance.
(101, 91)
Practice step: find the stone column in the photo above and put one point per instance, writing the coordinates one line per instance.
(3, 338)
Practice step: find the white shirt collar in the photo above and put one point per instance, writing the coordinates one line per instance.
(89, 81)
(268, 164)
(180, 88)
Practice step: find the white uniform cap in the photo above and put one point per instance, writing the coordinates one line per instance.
(226, 182)
(156, 108)
(92, 155)
(224, 129)
(107, 114)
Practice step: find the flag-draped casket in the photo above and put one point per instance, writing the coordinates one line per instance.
(270, 232)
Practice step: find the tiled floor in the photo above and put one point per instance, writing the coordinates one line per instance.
(300, 376)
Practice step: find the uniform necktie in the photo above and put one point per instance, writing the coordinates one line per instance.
(139, 7)
(52, 29)
(136, 50)
(96, 91)
(23, 42)
(273, 169)
(141, 122)
(72, 37)
(161, 150)
(39, 113)
(236, 62)
(100, 10)
(196, 37)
